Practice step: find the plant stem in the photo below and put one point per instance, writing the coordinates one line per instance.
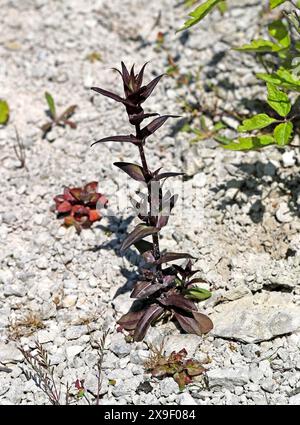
(155, 238)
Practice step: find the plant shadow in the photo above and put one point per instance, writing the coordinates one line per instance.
(256, 180)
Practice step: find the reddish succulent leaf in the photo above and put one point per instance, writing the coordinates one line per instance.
(178, 301)
(129, 320)
(64, 207)
(159, 371)
(204, 322)
(194, 368)
(140, 232)
(151, 314)
(103, 199)
(67, 195)
(144, 289)
(133, 170)
(155, 125)
(69, 220)
(181, 379)
(94, 215)
(76, 193)
(67, 114)
(71, 124)
(172, 256)
(128, 139)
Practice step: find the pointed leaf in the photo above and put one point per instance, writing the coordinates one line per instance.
(64, 207)
(167, 175)
(67, 114)
(155, 125)
(172, 256)
(260, 46)
(283, 133)
(113, 96)
(144, 289)
(128, 139)
(51, 105)
(275, 3)
(278, 100)
(192, 325)
(129, 320)
(133, 170)
(140, 232)
(151, 314)
(145, 91)
(140, 76)
(199, 13)
(257, 122)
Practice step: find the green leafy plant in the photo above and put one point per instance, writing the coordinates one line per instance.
(277, 55)
(4, 112)
(161, 290)
(58, 119)
(176, 365)
(78, 206)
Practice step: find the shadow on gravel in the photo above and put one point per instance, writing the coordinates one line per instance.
(256, 180)
(119, 228)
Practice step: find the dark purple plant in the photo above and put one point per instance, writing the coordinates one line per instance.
(165, 291)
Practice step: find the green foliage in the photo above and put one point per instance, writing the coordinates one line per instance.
(276, 3)
(278, 100)
(4, 112)
(283, 133)
(248, 143)
(51, 105)
(256, 123)
(198, 294)
(200, 12)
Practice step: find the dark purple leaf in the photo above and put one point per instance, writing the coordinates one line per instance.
(204, 322)
(144, 289)
(140, 76)
(140, 232)
(151, 314)
(129, 139)
(143, 246)
(155, 125)
(125, 73)
(145, 91)
(129, 320)
(197, 280)
(133, 170)
(166, 175)
(162, 221)
(172, 256)
(192, 325)
(106, 93)
(178, 301)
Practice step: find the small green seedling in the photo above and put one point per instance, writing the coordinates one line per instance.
(60, 120)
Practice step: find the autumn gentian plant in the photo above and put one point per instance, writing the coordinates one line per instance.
(166, 292)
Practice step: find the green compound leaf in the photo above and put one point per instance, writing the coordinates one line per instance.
(283, 133)
(4, 112)
(260, 46)
(51, 105)
(279, 31)
(199, 13)
(275, 3)
(282, 78)
(278, 100)
(248, 143)
(256, 123)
